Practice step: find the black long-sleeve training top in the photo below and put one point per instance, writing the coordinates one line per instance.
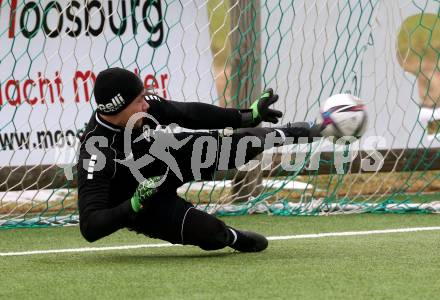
(105, 185)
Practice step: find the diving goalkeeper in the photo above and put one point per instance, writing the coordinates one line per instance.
(128, 178)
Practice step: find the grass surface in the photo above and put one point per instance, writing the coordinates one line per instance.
(387, 266)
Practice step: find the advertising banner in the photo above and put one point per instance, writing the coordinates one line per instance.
(52, 51)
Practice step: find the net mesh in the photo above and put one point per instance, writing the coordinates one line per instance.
(225, 53)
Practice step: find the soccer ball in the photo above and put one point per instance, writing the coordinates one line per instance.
(342, 115)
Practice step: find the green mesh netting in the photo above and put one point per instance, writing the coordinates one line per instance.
(225, 53)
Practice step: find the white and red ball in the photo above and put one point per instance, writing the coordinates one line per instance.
(343, 115)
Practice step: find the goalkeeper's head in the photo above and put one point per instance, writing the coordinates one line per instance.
(119, 94)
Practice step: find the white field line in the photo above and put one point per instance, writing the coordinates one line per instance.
(271, 238)
(351, 233)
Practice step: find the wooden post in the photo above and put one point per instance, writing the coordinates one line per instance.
(245, 78)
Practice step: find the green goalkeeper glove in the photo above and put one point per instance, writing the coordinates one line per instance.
(143, 193)
(261, 111)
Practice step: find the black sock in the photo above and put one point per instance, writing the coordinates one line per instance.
(206, 231)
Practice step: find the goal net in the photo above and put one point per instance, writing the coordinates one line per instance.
(225, 52)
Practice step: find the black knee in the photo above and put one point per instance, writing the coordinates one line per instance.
(204, 230)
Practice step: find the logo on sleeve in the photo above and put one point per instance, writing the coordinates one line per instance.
(91, 167)
(152, 97)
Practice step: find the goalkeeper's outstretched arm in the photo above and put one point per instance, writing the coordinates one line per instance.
(196, 115)
(200, 154)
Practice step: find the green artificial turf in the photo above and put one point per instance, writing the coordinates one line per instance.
(385, 266)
